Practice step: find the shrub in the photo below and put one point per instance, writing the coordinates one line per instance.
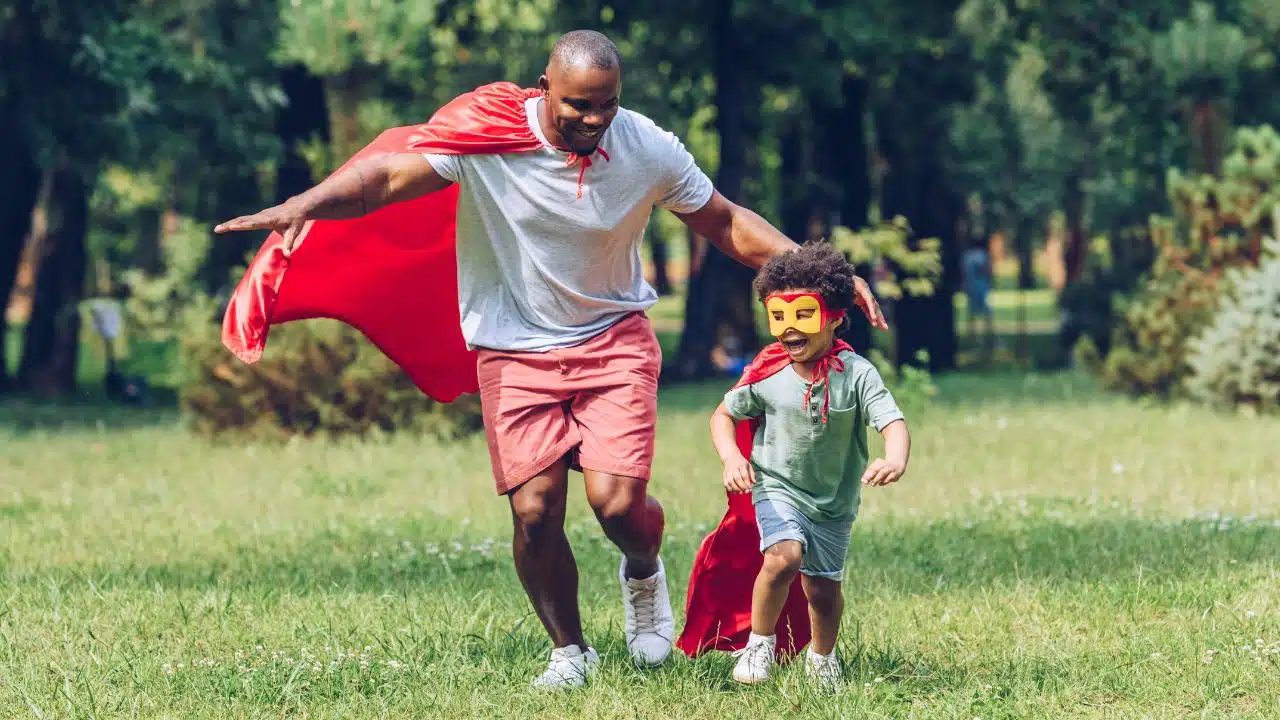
(317, 377)
(1149, 346)
(1219, 224)
(1235, 362)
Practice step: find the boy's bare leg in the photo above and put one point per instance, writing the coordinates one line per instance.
(781, 563)
(826, 604)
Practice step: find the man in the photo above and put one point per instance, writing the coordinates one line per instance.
(551, 296)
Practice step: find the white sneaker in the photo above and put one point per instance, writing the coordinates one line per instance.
(823, 668)
(755, 660)
(569, 668)
(650, 626)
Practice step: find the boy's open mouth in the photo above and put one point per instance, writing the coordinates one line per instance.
(794, 344)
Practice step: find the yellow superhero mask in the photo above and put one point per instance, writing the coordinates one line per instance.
(805, 312)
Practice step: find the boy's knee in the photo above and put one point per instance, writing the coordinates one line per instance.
(783, 559)
(824, 597)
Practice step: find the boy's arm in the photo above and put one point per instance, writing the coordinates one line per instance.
(897, 451)
(723, 435)
(739, 476)
(885, 416)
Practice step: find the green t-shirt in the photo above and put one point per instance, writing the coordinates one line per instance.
(814, 466)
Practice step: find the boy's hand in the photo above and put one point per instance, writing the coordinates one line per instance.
(739, 476)
(882, 472)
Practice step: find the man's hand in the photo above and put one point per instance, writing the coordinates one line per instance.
(739, 476)
(749, 239)
(288, 219)
(867, 301)
(882, 472)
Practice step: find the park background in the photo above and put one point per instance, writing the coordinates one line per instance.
(1091, 521)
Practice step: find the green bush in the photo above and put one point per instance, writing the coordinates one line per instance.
(1235, 362)
(1218, 227)
(1149, 346)
(317, 377)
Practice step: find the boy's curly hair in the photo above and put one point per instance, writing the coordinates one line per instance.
(816, 266)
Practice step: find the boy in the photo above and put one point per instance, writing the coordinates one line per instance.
(809, 453)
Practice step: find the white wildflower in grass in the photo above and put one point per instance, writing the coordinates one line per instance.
(998, 555)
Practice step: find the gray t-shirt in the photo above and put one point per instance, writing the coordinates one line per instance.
(815, 467)
(539, 267)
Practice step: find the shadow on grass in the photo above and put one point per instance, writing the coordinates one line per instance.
(86, 411)
(895, 557)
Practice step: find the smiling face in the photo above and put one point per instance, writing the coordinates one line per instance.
(581, 102)
(801, 321)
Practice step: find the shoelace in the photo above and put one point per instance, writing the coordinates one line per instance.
(824, 367)
(644, 601)
(757, 654)
(583, 162)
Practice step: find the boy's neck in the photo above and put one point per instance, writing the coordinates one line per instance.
(806, 369)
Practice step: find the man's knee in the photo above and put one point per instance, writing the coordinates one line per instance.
(537, 509)
(618, 499)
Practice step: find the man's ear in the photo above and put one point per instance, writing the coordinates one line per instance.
(543, 83)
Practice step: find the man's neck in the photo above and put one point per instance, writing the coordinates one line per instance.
(548, 124)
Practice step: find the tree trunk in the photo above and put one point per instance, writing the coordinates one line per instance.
(1026, 277)
(301, 120)
(797, 201)
(658, 255)
(850, 167)
(1073, 252)
(719, 293)
(916, 187)
(236, 194)
(19, 188)
(52, 342)
(150, 228)
(343, 94)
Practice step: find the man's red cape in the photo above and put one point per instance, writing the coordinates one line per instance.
(718, 602)
(391, 274)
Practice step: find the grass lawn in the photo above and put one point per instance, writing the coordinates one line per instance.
(1051, 553)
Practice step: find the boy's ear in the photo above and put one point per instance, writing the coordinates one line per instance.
(835, 324)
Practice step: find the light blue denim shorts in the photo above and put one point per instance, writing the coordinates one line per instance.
(824, 544)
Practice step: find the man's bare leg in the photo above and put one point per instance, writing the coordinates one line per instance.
(630, 517)
(543, 559)
(634, 522)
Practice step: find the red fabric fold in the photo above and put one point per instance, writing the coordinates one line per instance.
(718, 600)
(391, 274)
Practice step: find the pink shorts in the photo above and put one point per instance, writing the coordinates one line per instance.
(599, 398)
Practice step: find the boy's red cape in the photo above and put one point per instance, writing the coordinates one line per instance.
(718, 602)
(391, 274)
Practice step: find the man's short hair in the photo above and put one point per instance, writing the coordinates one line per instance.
(586, 47)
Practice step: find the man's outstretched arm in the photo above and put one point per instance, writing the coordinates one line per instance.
(748, 238)
(364, 187)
